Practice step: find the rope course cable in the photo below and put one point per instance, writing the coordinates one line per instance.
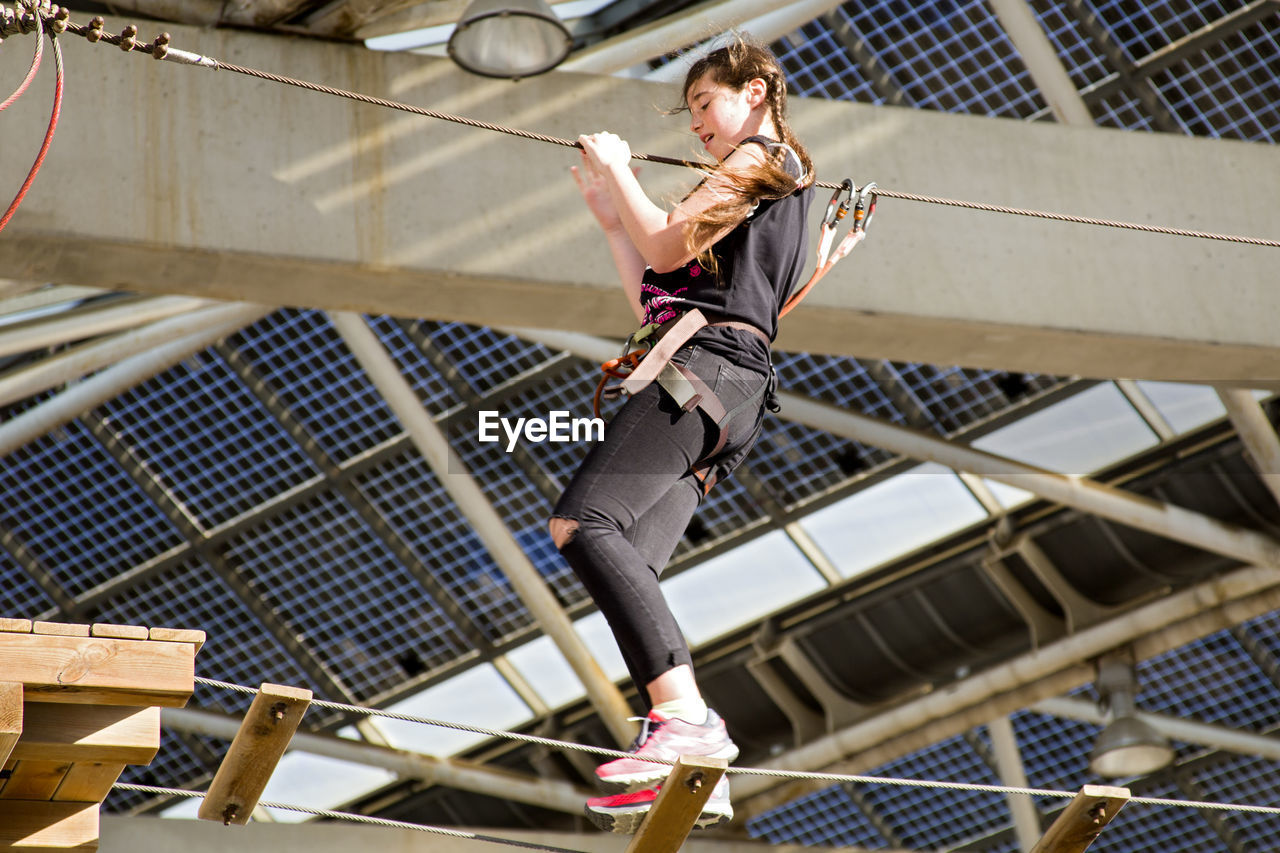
(354, 818)
(35, 20)
(160, 49)
(794, 775)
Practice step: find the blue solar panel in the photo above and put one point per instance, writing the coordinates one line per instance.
(947, 54)
(828, 818)
(928, 818)
(1055, 751)
(1080, 57)
(1212, 680)
(343, 591)
(409, 496)
(204, 436)
(1247, 780)
(73, 508)
(1123, 111)
(817, 65)
(483, 357)
(1232, 89)
(238, 649)
(20, 596)
(303, 361)
(1143, 28)
(415, 367)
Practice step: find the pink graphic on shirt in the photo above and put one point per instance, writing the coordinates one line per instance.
(658, 304)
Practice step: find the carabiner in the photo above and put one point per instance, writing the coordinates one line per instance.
(862, 213)
(837, 209)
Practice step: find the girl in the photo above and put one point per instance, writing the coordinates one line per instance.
(733, 249)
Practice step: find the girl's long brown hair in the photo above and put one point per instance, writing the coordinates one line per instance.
(735, 65)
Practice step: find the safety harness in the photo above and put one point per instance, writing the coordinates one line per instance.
(647, 355)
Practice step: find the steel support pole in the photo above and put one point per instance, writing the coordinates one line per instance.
(1257, 433)
(75, 363)
(1019, 21)
(88, 322)
(1026, 818)
(475, 507)
(1175, 728)
(449, 772)
(117, 379)
(1133, 510)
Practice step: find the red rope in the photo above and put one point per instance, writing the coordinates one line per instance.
(48, 136)
(35, 65)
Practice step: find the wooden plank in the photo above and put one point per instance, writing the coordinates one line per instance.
(667, 825)
(120, 632)
(10, 718)
(15, 626)
(34, 825)
(1083, 819)
(35, 780)
(178, 635)
(59, 629)
(114, 733)
(96, 670)
(88, 781)
(263, 737)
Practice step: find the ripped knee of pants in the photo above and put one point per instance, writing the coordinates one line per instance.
(562, 531)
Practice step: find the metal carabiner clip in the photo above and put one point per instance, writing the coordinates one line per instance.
(836, 209)
(862, 211)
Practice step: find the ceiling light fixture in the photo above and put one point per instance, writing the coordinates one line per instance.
(1127, 746)
(509, 38)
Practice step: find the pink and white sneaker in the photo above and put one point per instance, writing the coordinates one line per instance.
(666, 738)
(623, 813)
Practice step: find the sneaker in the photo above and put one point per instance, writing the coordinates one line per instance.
(665, 738)
(623, 813)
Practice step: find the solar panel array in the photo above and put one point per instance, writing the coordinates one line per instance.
(264, 492)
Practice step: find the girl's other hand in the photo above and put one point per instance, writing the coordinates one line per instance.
(595, 192)
(605, 150)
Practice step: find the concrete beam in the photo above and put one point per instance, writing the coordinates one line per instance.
(211, 184)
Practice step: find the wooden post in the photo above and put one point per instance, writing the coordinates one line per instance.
(686, 791)
(10, 718)
(78, 703)
(261, 741)
(1083, 819)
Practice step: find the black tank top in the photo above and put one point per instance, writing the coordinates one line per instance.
(759, 263)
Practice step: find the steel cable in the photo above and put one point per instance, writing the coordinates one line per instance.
(795, 775)
(48, 136)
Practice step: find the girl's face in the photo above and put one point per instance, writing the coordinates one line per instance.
(722, 117)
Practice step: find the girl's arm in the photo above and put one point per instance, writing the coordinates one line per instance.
(626, 258)
(658, 236)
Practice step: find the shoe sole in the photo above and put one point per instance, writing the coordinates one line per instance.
(631, 782)
(627, 821)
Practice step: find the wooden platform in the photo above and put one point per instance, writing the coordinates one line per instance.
(78, 703)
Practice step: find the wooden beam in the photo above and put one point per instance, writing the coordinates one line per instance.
(98, 670)
(262, 739)
(60, 629)
(120, 632)
(177, 635)
(34, 825)
(686, 791)
(1083, 819)
(88, 781)
(113, 733)
(10, 718)
(15, 626)
(34, 780)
